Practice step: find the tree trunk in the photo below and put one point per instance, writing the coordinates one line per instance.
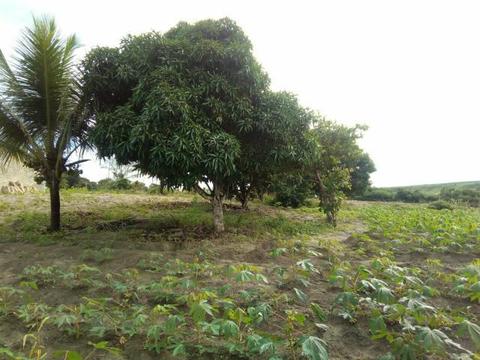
(331, 218)
(217, 203)
(321, 187)
(322, 194)
(243, 195)
(54, 204)
(244, 203)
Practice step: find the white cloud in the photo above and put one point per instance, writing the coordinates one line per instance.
(407, 69)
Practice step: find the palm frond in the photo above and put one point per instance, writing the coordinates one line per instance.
(8, 82)
(15, 141)
(44, 70)
(41, 108)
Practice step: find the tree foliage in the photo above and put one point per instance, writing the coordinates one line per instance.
(335, 167)
(362, 166)
(277, 145)
(193, 108)
(335, 158)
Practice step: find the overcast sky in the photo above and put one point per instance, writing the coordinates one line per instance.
(410, 70)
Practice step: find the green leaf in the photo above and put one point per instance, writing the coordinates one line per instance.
(296, 317)
(384, 295)
(212, 328)
(98, 331)
(254, 342)
(377, 327)
(261, 277)
(300, 295)
(318, 311)
(267, 347)
(432, 339)
(238, 315)
(314, 348)
(65, 320)
(172, 323)
(244, 275)
(103, 345)
(200, 310)
(388, 356)
(473, 330)
(72, 355)
(346, 299)
(278, 251)
(260, 313)
(179, 350)
(306, 265)
(64, 355)
(229, 328)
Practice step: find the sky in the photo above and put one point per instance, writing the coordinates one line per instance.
(408, 69)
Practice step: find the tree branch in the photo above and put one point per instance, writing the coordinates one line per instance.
(202, 192)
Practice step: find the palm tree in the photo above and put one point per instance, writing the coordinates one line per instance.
(42, 117)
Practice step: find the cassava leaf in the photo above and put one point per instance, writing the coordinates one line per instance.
(314, 348)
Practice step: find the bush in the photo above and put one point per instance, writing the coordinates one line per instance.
(120, 184)
(138, 186)
(157, 189)
(402, 195)
(290, 190)
(378, 195)
(440, 205)
(117, 184)
(73, 179)
(469, 197)
(105, 184)
(409, 196)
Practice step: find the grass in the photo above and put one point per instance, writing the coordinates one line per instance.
(135, 275)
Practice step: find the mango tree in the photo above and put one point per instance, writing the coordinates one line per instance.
(278, 144)
(179, 106)
(332, 162)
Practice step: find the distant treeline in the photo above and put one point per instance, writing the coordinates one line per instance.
(453, 194)
(470, 197)
(117, 183)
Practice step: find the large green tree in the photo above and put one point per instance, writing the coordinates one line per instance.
(181, 106)
(41, 110)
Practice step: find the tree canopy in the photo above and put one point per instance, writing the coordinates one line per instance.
(337, 156)
(192, 107)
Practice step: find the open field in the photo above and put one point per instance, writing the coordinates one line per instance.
(434, 189)
(143, 277)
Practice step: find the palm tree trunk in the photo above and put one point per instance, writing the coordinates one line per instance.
(217, 203)
(54, 204)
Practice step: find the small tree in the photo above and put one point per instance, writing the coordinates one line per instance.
(41, 109)
(362, 166)
(291, 189)
(336, 152)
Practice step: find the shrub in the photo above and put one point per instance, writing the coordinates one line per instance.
(157, 189)
(440, 205)
(469, 197)
(378, 195)
(138, 186)
(409, 196)
(291, 190)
